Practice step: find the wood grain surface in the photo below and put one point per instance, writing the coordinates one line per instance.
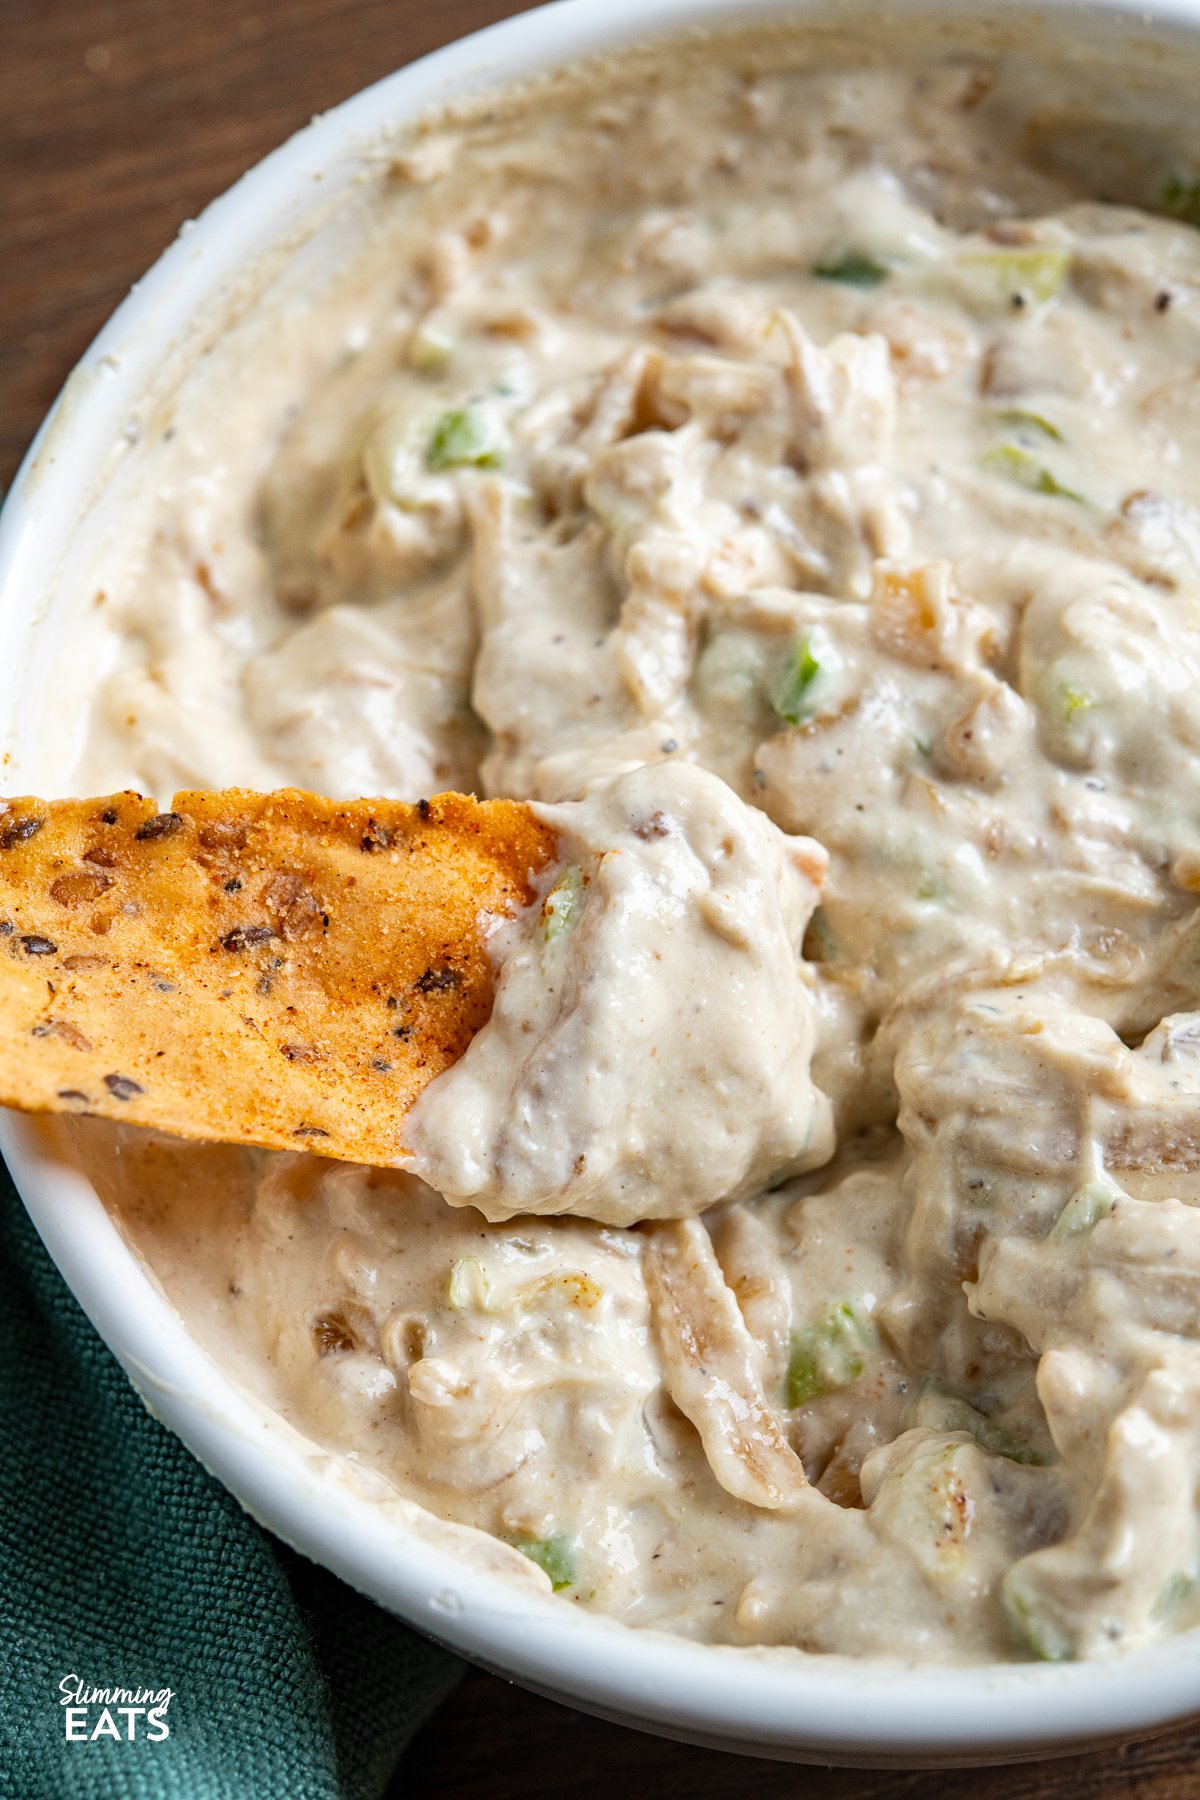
(119, 119)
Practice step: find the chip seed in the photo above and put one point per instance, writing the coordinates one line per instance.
(245, 937)
(76, 890)
(122, 1087)
(162, 825)
(19, 832)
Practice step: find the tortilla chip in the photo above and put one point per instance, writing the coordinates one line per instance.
(273, 969)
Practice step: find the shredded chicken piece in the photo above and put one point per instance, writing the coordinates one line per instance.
(710, 1366)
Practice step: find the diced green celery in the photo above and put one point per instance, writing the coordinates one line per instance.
(822, 936)
(941, 1411)
(1016, 464)
(729, 673)
(1044, 1637)
(923, 746)
(560, 908)
(1174, 1594)
(468, 1285)
(1180, 196)
(854, 269)
(809, 663)
(1021, 419)
(830, 1354)
(553, 1554)
(1085, 1209)
(429, 348)
(465, 437)
(1035, 269)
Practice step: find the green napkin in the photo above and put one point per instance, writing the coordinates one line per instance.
(124, 1564)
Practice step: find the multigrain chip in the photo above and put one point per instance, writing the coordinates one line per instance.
(273, 969)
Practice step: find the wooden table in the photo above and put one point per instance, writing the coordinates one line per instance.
(118, 120)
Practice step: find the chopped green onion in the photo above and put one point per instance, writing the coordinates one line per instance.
(1085, 1209)
(1074, 700)
(465, 437)
(468, 1285)
(811, 660)
(798, 677)
(854, 269)
(830, 1354)
(923, 746)
(1020, 418)
(1180, 196)
(1048, 483)
(1038, 270)
(560, 908)
(1016, 464)
(552, 1554)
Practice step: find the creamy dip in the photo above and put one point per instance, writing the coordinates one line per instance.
(661, 981)
(757, 467)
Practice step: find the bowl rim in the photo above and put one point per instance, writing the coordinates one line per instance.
(776, 1702)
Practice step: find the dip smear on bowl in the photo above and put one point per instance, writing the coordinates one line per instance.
(803, 451)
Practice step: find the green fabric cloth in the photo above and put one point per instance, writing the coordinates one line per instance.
(123, 1562)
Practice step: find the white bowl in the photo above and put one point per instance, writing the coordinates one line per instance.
(769, 1702)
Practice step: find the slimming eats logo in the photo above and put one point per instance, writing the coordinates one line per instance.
(92, 1712)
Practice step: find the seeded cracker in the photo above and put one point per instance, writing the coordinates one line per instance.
(274, 969)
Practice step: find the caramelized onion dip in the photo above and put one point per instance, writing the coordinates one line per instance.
(787, 476)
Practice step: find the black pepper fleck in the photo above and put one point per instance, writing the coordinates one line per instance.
(233, 885)
(436, 981)
(377, 837)
(108, 816)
